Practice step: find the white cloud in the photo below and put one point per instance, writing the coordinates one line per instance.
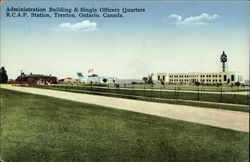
(204, 18)
(85, 25)
(177, 17)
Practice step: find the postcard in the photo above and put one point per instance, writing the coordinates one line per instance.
(124, 81)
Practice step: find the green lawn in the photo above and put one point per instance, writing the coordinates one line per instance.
(39, 128)
(210, 97)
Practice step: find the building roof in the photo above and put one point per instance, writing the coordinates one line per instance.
(93, 75)
(36, 76)
(193, 73)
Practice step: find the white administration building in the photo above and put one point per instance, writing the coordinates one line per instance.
(203, 78)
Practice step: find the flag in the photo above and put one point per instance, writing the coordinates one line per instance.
(90, 70)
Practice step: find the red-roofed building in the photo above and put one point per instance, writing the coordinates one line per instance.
(36, 79)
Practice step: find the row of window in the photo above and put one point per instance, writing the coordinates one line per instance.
(209, 76)
(187, 80)
(194, 76)
(183, 76)
(209, 80)
(180, 80)
(202, 76)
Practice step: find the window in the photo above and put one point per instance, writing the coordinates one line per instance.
(163, 78)
(232, 77)
(159, 77)
(225, 78)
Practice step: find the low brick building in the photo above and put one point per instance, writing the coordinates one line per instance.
(36, 79)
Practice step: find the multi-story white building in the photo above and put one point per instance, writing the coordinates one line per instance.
(203, 78)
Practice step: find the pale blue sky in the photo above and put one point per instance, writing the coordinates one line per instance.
(129, 47)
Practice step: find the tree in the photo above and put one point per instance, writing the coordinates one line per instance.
(104, 80)
(237, 84)
(3, 75)
(162, 82)
(197, 83)
(11, 81)
(150, 80)
(145, 79)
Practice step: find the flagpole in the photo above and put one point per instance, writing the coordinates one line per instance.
(89, 71)
(86, 80)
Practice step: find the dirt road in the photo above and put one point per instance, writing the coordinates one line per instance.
(214, 117)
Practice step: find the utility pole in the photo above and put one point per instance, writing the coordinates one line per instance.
(21, 77)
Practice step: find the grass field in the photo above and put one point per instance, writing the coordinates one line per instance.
(210, 97)
(39, 128)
